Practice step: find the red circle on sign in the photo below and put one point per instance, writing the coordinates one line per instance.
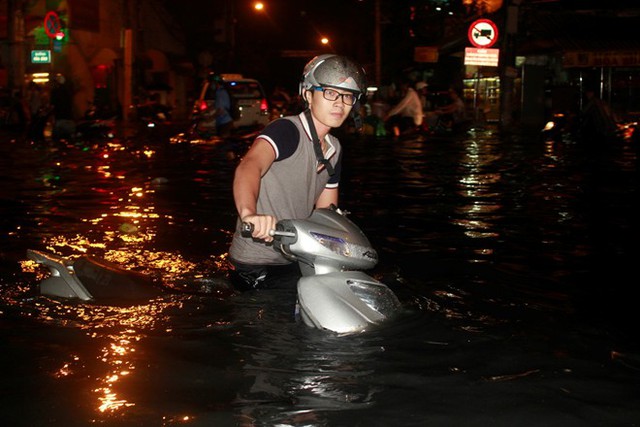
(483, 33)
(52, 24)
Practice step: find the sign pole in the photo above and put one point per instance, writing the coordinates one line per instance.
(482, 34)
(128, 74)
(378, 43)
(476, 85)
(508, 71)
(17, 45)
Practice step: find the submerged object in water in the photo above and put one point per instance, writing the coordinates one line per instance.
(88, 279)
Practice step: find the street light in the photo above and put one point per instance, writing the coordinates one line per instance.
(232, 24)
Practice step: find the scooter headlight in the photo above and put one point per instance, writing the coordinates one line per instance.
(377, 297)
(334, 244)
(364, 255)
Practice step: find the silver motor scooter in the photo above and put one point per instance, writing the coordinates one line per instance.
(332, 293)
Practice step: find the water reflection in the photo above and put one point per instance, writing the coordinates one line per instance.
(316, 374)
(92, 202)
(106, 362)
(476, 183)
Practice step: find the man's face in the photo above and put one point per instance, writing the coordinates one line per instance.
(330, 113)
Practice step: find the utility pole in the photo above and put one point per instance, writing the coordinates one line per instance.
(508, 71)
(127, 72)
(377, 42)
(17, 66)
(231, 29)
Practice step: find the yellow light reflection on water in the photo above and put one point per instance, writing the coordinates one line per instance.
(118, 355)
(110, 401)
(118, 331)
(118, 231)
(67, 368)
(104, 171)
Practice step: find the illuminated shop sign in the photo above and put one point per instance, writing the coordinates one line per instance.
(601, 59)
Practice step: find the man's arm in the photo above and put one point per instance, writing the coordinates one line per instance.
(399, 107)
(246, 188)
(328, 197)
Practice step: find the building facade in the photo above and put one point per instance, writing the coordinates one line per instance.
(113, 53)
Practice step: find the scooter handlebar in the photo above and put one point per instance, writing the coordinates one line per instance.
(247, 231)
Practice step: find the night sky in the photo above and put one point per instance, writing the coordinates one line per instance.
(265, 40)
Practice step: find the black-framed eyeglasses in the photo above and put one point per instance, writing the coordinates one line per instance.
(332, 95)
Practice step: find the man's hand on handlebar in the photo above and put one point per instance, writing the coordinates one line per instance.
(262, 226)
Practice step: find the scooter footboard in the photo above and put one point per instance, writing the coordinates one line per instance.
(344, 302)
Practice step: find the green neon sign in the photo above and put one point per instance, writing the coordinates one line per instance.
(40, 56)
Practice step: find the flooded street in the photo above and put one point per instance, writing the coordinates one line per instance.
(513, 259)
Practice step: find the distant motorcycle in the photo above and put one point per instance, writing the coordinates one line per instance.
(96, 124)
(96, 129)
(202, 122)
(558, 128)
(153, 114)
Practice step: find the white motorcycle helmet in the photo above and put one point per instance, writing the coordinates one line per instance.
(334, 71)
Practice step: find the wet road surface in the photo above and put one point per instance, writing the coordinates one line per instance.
(513, 257)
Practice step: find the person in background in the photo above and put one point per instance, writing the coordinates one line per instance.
(406, 116)
(596, 120)
(17, 112)
(282, 102)
(422, 89)
(447, 117)
(61, 100)
(37, 109)
(293, 166)
(224, 121)
(423, 92)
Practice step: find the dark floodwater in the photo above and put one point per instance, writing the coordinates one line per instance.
(514, 259)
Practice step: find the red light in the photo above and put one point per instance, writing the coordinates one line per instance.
(263, 105)
(203, 105)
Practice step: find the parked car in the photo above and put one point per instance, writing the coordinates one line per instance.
(249, 96)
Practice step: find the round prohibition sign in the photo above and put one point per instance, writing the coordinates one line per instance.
(483, 33)
(52, 25)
